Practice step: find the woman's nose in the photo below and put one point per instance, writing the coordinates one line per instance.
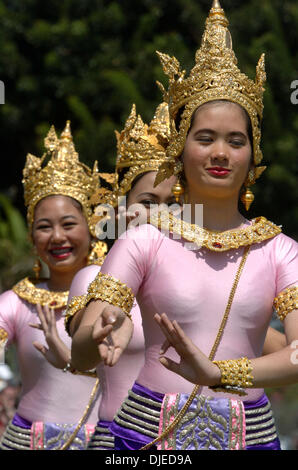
(219, 152)
(58, 234)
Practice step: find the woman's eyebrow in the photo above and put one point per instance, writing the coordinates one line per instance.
(147, 194)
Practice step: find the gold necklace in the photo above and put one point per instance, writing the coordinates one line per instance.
(260, 230)
(27, 290)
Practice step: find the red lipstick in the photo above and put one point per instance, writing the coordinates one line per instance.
(218, 171)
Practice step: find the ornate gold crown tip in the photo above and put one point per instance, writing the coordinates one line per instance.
(216, 4)
(66, 134)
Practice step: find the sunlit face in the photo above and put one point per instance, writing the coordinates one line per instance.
(217, 152)
(60, 233)
(144, 193)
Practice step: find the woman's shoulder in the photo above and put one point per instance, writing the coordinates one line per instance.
(9, 296)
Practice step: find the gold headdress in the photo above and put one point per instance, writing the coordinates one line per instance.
(140, 148)
(215, 76)
(63, 175)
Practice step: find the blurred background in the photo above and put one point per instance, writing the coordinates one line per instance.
(89, 61)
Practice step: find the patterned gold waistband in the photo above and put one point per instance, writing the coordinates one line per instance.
(141, 417)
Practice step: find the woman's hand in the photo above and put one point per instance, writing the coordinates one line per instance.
(57, 353)
(194, 366)
(112, 331)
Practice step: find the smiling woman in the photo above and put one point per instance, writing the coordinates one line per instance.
(57, 406)
(62, 239)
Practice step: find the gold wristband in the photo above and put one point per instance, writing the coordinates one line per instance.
(77, 303)
(286, 301)
(235, 373)
(108, 289)
(3, 336)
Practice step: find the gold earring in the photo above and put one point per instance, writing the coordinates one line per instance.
(178, 188)
(37, 268)
(97, 253)
(247, 196)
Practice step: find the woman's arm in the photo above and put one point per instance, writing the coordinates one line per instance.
(275, 369)
(274, 341)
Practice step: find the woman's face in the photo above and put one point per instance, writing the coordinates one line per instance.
(217, 152)
(144, 193)
(60, 233)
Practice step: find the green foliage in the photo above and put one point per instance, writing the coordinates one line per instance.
(89, 61)
(15, 256)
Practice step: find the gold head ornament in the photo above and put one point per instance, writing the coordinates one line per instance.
(140, 148)
(59, 172)
(215, 76)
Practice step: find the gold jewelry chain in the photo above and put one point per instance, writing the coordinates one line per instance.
(80, 423)
(211, 355)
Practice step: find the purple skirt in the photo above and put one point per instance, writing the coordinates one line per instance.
(21, 434)
(137, 423)
(102, 439)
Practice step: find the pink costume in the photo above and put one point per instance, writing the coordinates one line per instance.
(48, 394)
(192, 287)
(114, 381)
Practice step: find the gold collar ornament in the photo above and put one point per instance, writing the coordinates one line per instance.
(215, 76)
(27, 290)
(140, 148)
(63, 174)
(260, 230)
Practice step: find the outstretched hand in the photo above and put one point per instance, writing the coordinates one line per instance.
(194, 366)
(57, 353)
(112, 332)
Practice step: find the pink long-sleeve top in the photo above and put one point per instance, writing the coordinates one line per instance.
(48, 394)
(114, 381)
(192, 287)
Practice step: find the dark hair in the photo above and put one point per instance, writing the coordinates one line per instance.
(121, 175)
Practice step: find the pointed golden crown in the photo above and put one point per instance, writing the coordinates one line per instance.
(215, 76)
(63, 174)
(140, 148)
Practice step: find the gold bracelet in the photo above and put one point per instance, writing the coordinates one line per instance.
(235, 375)
(108, 289)
(88, 373)
(77, 303)
(286, 301)
(3, 336)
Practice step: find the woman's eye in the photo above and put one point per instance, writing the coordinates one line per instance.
(69, 225)
(237, 143)
(147, 202)
(42, 227)
(206, 140)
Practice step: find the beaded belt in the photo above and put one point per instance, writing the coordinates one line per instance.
(15, 438)
(142, 416)
(102, 439)
(260, 426)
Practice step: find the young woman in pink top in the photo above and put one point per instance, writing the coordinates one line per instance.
(220, 283)
(52, 403)
(137, 162)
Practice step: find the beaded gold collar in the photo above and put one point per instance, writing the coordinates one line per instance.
(27, 290)
(260, 229)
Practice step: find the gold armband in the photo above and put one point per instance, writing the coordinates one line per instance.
(286, 301)
(77, 303)
(235, 375)
(108, 289)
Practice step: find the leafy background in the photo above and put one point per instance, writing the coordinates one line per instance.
(89, 61)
